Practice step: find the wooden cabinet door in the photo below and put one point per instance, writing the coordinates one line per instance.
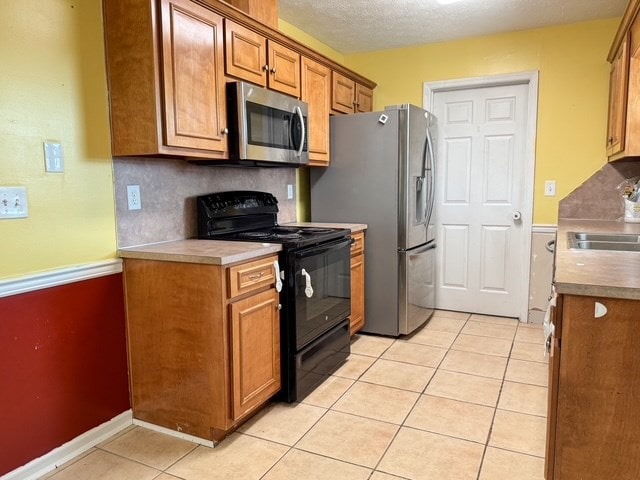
(357, 283)
(342, 93)
(255, 351)
(193, 75)
(246, 54)
(618, 100)
(316, 91)
(357, 293)
(598, 428)
(552, 392)
(364, 99)
(284, 69)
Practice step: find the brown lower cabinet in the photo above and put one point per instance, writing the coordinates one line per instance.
(203, 343)
(594, 391)
(357, 283)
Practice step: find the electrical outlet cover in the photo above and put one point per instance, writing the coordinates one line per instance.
(53, 157)
(134, 202)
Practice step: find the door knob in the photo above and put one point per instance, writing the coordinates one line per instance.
(516, 215)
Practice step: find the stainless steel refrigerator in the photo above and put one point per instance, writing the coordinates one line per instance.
(382, 173)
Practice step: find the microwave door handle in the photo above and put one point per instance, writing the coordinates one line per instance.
(298, 112)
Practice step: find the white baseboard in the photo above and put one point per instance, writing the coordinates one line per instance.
(59, 276)
(56, 457)
(542, 228)
(173, 433)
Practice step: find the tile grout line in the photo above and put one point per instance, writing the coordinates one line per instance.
(495, 411)
(415, 403)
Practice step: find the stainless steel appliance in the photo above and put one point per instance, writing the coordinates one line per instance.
(315, 271)
(382, 173)
(266, 127)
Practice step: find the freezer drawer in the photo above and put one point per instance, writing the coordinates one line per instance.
(416, 286)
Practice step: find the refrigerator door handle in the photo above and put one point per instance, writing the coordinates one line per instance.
(431, 170)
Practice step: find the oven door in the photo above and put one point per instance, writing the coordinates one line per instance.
(322, 289)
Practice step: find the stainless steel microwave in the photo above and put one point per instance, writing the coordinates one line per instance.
(266, 127)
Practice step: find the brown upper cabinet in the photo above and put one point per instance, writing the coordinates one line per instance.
(168, 62)
(166, 78)
(265, 11)
(349, 96)
(623, 129)
(256, 59)
(316, 91)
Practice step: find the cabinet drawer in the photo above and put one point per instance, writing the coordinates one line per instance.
(251, 276)
(357, 245)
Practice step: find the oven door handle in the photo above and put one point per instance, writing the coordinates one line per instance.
(319, 249)
(308, 289)
(276, 268)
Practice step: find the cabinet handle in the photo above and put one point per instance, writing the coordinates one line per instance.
(600, 310)
(256, 276)
(273, 71)
(265, 68)
(224, 131)
(279, 307)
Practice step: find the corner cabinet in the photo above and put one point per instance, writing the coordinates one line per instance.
(357, 318)
(348, 96)
(593, 427)
(623, 127)
(166, 78)
(203, 343)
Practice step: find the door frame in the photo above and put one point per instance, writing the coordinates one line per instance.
(531, 79)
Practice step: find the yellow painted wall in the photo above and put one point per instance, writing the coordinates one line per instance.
(53, 86)
(573, 93)
(306, 39)
(302, 175)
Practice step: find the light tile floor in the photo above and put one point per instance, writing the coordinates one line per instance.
(462, 398)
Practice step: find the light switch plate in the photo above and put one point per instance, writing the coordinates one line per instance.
(53, 157)
(550, 188)
(13, 202)
(289, 192)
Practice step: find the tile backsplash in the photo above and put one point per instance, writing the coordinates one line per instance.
(597, 198)
(168, 189)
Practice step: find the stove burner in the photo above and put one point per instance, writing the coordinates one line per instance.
(258, 235)
(270, 235)
(281, 229)
(316, 230)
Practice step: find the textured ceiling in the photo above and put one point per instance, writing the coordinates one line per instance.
(353, 26)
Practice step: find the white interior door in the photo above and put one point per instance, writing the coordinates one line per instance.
(482, 243)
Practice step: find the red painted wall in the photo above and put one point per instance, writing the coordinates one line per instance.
(63, 366)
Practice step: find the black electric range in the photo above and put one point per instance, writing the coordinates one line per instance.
(315, 271)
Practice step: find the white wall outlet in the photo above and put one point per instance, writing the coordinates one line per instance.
(289, 192)
(13, 202)
(133, 197)
(550, 188)
(53, 157)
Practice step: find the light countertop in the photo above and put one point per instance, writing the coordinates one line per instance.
(354, 227)
(214, 252)
(217, 252)
(599, 273)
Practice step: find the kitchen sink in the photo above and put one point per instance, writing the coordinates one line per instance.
(604, 241)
